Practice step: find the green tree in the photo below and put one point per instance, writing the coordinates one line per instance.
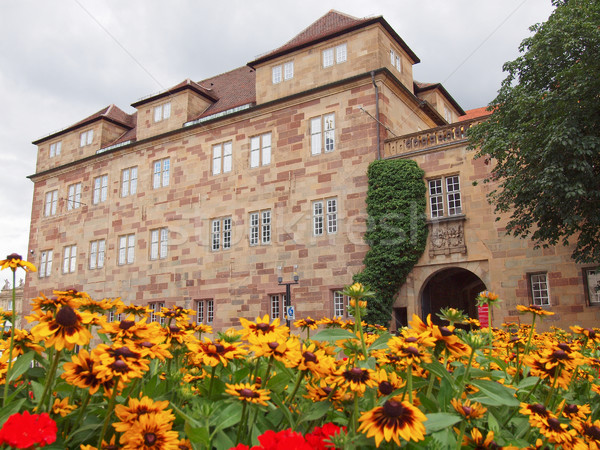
(543, 136)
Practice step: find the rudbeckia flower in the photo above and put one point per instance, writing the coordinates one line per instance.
(150, 432)
(63, 330)
(356, 379)
(248, 393)
(83, 372)
(534, 309)
(262, 328)
(14, 261)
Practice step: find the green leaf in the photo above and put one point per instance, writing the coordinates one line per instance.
(493, 393)
(197, 434)
(226, 417)
(20, 366)
(440, 421)
(222, 441)
(10, 409)
(381, 342)
(333, 334)
(317, 410)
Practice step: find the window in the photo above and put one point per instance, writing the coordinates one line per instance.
(340, 53)
(129, 181)
(448, 114)
(221, 234)
(86, 138)
(222, 158)
(260, 227)
(100, 189)
(112, 317)
(276, 74)
(126, 249)
(74, 196)
(155, 307)
(277, 305)
(592, 283)
(396, 60)
(288, 70)
(159, 243)
(55, 149)
(340, 305)
(260, 150)
(161, 173)
(70, 259)
(325, 216)
(205, 311)
(97, 249)
(162, 112)
(539, 289)
(45, 268)
(444, 193)
(51, 201)
(322, 134)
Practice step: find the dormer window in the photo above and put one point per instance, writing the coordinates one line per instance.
(162, 112)
(55, 149)
(86, 138)
(337, 55)
(396, 60)
(285, 72)
(276, 74)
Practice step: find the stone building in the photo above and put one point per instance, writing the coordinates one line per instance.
(6, 293)
(213, 192)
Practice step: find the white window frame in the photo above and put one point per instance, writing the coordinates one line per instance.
(74, 196)
(341, 53)
(205, 309)
(540, 289)
(161, 173)
(55, 148)
(100, 189)
(276, 306)
(97, 253)
(112, 317)
(86, 138)
(156, 307)
(335, 55)
(260, 227)
(260, 150)
(70, 259)
(325, 216)
(222, 158)
(276, 74)
(288, 70)
(50, 203)
(162, 112)
(328, 57)
(159, 243)
(592, 280)
(322, 134)
(396, 60)
(340, 305)
(126, 249)
(129, 179)
(220, 233)
(45, 268)
(444, 196)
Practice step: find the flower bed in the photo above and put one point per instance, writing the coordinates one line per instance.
(335, 384)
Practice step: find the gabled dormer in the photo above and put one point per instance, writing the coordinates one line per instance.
(439, 99)
(335, 47)
(170, 109)
(85, 138)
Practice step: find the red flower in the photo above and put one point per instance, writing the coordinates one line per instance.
(318, 436)
(26, 430)
(283, 440)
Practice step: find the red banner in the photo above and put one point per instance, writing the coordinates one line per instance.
(484, 316)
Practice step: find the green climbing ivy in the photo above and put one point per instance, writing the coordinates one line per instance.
(396, 231)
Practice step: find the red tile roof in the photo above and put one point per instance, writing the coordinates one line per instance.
(475, 113)
(186, 84)
(422, 87)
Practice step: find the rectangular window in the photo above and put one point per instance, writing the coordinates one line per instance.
(161, 173)
(341, 53)
(288, 70)
(325, 213)
(156, 307)
(396, 60)
(540, 291)
(322, 134)
(129, 181)
(45, 268)
(260, 150)
(276, 74)
(126, 249)
(205, 311)
(277, 305)
(97, 250)
(331, 216)
(74, 196)
(222, 158)
(318, 218)
(55, 149)
(159, 243)
(260, 227)
(444, 196)
(112, 317)
(100, 189)
(86, 138)
(592, 283)
(162, 112)
(340, 305)
(50, 204)
(328, 57)
(70, 259)
(221, 234)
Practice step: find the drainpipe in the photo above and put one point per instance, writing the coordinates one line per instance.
(377, 115)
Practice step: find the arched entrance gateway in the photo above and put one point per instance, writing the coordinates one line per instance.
(454, 288)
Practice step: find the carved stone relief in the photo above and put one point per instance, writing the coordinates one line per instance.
(447, 237)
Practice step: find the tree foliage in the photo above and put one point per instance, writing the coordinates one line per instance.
(396, 232)
(544, 133)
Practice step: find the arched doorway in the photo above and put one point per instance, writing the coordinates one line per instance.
(454, 288)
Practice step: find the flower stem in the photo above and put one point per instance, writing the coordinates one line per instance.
(13, 321)
(49, 381)
(242, 425)
(82, 409)
(110, 408)
(296, 386)
(212, 378)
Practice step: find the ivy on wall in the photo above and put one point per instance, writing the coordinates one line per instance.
(396, 232)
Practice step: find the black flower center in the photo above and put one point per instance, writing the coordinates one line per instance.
(446, 331)
(411, 339)
(273, 345)
(126, 324)
(119, 366)
(412, 350)
(248, 393)
(593, 432)
(571, 409)
(173, 328)
(309, 357)
(554, 424)
(559, 354)
(126, 352)
(310, 322)
(219, 348)
(356, 374)
(147, 344)
(150, 439)
(564, 347)
(67, 317)
(386, 388)
(392, 408)
(467, 410)
(14, 256)
(264, 327)
(538, 409)
(327, 390)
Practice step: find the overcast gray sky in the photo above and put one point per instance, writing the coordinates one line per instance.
(61, 61)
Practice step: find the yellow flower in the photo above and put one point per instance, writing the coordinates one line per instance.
(136, 408)
(65, 330)
(150, 432)
(306, 323)
(355, 378)
(534, 309)
(62, 407)
(13, 261)
(213, 353)
(263, 328)
(248, 393)
(83, 372)
(468, 410)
